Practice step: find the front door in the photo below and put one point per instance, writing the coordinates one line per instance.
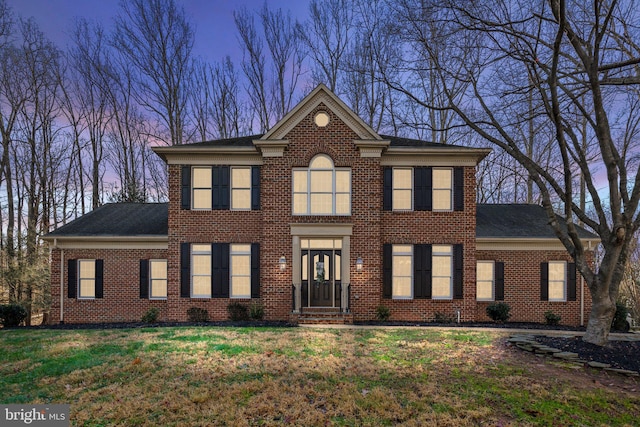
(320, 277)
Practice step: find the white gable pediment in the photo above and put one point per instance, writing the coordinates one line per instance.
(320, 95)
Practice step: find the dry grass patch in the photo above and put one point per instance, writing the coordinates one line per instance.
(298, 376)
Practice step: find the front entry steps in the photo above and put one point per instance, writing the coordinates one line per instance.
(323, 316)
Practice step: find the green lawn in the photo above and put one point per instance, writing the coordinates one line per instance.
(300, 376)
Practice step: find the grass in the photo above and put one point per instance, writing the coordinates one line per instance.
(298, 376)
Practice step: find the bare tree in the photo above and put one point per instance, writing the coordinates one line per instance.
(327, 36)
(86, 100)
(156, 39)
(287, 54)
(575, 59)
(253, 66)
(226, 104)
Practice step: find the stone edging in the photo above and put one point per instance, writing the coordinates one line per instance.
(529, 343)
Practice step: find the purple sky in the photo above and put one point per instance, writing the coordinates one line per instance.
(215, 34)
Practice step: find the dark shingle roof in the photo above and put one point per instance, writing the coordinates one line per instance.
(247, 141)
(518, 220)
(119, 219)
(241, 141)
(396, 141)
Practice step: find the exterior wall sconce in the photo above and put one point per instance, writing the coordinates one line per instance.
(359, 264)
(283, 263)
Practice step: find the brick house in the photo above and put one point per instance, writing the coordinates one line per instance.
(319, 219)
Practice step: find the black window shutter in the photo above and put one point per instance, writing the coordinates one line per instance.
(255, 188)
(428, 189)
(387, 263)
(220, 270)
(220, 196)
(418, 280)
(185, 270)
(458, 189)
(427, 265)
(144, 278)
(72, 278)
(255, 270)
(99, 278)
(458, 271)
(422, 271)
(387, 189)
(186, 187)
(544, 281)
(571, 281)
(499, 281)
(420, 197)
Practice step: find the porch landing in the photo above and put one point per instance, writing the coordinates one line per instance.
(321, 316)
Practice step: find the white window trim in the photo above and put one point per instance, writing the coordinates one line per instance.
(232, 187)
(493, 280)
(79, 279)
(434, 189)
(393, 295)
(450, 256)
(151, 279)
(564, 290)
(411, 189)
(210, 253)
(194, 188)
(334, 192)
(231, 274)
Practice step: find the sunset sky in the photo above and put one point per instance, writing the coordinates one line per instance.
(215, 34)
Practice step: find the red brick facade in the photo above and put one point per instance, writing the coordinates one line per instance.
(271, 227)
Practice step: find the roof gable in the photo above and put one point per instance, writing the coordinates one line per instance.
(321, 95)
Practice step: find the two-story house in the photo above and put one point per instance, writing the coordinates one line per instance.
(319, 217)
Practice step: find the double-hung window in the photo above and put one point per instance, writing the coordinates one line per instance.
(442, 272)
(240, 271)
(201, 188)
(201, 271)
(402, 189)
(485, 281)
(241, 188)
(402, 282)
(557, 281)
(158, 279)
(87, 278)
(442, 189)
(321, 189)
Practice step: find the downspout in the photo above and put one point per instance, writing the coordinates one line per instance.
(55, 246)
(582, 292)
(581, 300)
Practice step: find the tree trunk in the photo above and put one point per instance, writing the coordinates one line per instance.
(602, 312)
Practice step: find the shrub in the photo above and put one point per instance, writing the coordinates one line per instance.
(551, 318)
(151, 316)
(499, 311)
(197, 314)
(620, 318)
(383, 313)
(238, 311)
(12, 314)
(256, 311)
(443, 318)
